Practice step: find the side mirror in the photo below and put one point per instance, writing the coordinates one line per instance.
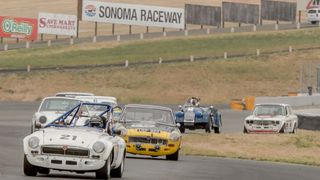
(117, 111)
(38, 126)
(119, 130)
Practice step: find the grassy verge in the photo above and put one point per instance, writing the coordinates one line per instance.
(214, 81)
(300, 148)
(105, 53)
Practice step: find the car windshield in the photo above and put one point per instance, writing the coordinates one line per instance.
(137, 114)
(58, 104)
(100, 108)
(270, 110)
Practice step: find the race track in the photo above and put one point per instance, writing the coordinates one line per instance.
(14, 125)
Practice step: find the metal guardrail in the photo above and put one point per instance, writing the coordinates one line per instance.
(154, 62)
(195, 32)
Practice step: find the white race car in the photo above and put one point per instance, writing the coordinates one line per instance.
(313, 15)
(62, 145)
(73, 94)
(50, 109)
(271, 118)
(53, 107)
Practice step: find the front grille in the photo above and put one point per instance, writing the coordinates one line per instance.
(56, 161)
(71, 163)
(264, 123)
(70, 151)
(148, 140)
(189, 116)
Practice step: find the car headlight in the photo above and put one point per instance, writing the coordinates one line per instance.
(33, 142)
(174, 136)
(42, 119)
(98, 147)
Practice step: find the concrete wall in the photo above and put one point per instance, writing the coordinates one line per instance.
(294, 101)
(309, 122)
(302, 4)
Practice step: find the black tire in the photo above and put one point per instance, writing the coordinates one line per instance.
(29, 169)
(43, 171)
(245, 131)
(182, 129)
(216, 130)
(173, 157)
(31, 129)
(294, 131)
(104, 172)
(117, 173)
(282, 129)
(313, 22)
(208, 126)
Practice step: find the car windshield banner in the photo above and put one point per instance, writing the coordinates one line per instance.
(21, 28)
(130, 14)
(57, 24)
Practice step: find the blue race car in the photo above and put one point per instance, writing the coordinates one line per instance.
(191, 116)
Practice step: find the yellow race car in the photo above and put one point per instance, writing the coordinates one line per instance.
(151, 131)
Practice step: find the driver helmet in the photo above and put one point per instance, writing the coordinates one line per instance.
(96, 121)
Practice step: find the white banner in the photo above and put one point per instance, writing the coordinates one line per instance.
(130, 14)
(58, 24)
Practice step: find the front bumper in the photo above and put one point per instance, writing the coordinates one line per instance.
(262, 129)
(152, 149)
(65, 163)
(312, 19)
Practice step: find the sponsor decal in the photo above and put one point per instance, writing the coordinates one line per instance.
(145, 15)
(58, 24)
(22, 28)
(11, 26)
(90, 10)
(119, 13)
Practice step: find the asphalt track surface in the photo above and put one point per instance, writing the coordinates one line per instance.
(14, 125)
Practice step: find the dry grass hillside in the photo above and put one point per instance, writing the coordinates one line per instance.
(213, 81)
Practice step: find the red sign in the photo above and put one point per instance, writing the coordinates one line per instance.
(22, 28)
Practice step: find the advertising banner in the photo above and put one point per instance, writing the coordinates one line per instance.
(130, 14)
(57, 24)
(21, 28)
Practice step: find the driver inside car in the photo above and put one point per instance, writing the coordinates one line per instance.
(97, 122)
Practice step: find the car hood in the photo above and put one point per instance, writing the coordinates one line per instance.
(71, 136)
(265, 117)
(149, 129)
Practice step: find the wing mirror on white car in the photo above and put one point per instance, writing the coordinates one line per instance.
(38, 126)
(116, 115)
(119, 130)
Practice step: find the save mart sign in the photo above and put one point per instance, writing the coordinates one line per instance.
(21, 28)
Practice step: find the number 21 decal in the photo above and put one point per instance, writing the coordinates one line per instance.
(68, 137)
